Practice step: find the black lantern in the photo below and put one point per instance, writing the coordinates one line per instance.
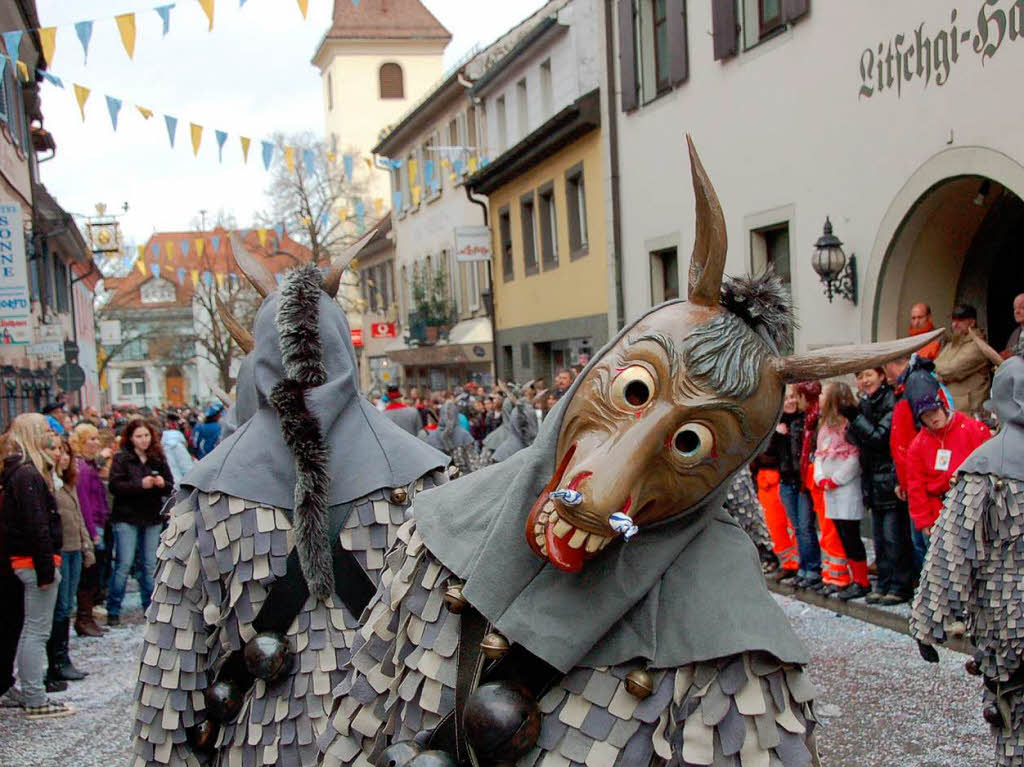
(837, 272)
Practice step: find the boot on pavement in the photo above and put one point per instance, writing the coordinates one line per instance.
(85, 623)
(61, 666)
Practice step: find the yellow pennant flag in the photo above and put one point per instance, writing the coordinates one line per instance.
(303, 7)
(48, 39)
(194, 273)
(413, 167)
(332, 157)
(220, 280)
(369, 163)
(126, 26)
(146, 113)
(23, 71)
(342, 215)
(207, 6)
(262, 234)
(81, 95)
(197, 137)
(416, 191)
(472, 164)
(170, 250)
(200, 246)
(245, 148)
(140, 262)
(378, 205)
(289, 158)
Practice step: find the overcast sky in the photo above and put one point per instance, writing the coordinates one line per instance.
(250, 76)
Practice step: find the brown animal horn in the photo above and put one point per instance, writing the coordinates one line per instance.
(252, 268)
(333, 279)
(825, 363)
(707, 265)
(242, 336)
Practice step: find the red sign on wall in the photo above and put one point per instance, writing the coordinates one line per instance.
(383, 330)
(357, 338)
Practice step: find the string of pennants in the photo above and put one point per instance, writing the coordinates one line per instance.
(126, 26)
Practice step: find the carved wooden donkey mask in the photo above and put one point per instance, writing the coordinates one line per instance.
(682, 400)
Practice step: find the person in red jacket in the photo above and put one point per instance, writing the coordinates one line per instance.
(944, 442)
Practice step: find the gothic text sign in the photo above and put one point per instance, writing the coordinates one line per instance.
(15, 307)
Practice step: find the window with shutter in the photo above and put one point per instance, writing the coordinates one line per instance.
(629, 85)
(505, 242)
(762, 19)
(528, 218)
(724, 28)
(391, 81)
(679, 50)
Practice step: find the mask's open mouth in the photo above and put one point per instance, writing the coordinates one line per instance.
(550, 533)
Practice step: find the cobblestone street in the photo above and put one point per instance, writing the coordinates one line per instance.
(880, 706)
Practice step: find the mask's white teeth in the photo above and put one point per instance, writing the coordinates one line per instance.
(562, 528)
(595, 542)
(604, 542)
(578, 538)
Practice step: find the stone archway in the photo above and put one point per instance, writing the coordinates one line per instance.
(945, 238)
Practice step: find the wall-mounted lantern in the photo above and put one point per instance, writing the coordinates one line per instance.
(838, 273)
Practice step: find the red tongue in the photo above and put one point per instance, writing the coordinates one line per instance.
(561, 554)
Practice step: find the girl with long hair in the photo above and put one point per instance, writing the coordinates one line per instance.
(837, 473)
(33, 538)
(140, 481)
(92, 498)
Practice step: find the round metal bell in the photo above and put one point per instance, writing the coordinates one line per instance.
(502, 721)
(639, 683)
(203, 736)
(972, 667)
(494, 646)
(399, 496)
(999, 484)
(956, 629)
(454, 472)
(433, 759)
(398, 754)
(268, 656)
(454, 600)
(224, 700)
(992, 716)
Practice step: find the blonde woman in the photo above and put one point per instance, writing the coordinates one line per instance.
(33, 541)
(92, 497)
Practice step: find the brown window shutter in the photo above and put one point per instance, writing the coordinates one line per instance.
(794, 9)
(391, 85)
(726, 30)
(627, 56)
(679, 63)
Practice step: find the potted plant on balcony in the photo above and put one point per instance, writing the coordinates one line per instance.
(432, 308)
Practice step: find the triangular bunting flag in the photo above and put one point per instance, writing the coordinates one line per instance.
(52, 79)
(140, 262)
(146, 113)
(126, 26)
(184, 248)
(114, 107)
(262, 234)
(215, 241)
(12, 41)
(172, 126)
(472, 164)
(207, 276)
(349, 163)
(170, 249)
(200, 246)
(220, 280)
(355, 3)
(241, 3)
(155, 249)
(307, 161)
(197, 136)
(245, 149)
(378, 205)
(343, 214)
(396, 200)
(48, 39)
(156, 270)
(165, 16)
(84, 31)
(207, 6)
(194, 274)
(279, 231)
(416, 196)
(221, 138)
(23, 71)
(303, 7)
(81, 96)
(181, 276)
(289, 158)
(268, 153)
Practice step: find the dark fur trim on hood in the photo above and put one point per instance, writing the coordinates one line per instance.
(298, 323)
(764, 303)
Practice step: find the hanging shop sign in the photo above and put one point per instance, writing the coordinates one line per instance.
(383, 330)
(15, 307)
(357, 337)
(472, 243)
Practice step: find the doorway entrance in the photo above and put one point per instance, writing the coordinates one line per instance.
(174, 394)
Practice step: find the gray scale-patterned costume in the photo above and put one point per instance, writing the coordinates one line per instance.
(217, 560)
(741, 501)
(974, 576)
(746, 710)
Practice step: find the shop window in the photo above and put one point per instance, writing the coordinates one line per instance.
(505, 242)
(576, 211)
(528, 218)
(548, 226)
(664, 275)
(391, 81)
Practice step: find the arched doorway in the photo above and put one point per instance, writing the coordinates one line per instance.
(174, 389)
(951, 236)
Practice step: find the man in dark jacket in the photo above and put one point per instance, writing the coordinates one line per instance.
(869, 429)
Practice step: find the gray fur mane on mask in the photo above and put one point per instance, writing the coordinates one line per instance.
(298, 324)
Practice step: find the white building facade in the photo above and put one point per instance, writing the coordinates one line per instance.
(895, 120)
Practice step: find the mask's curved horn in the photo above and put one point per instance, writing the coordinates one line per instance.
(333, 279)
(253, 270)
(242, 336)
(837, 360)
(707, 265)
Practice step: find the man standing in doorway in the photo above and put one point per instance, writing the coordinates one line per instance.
(1018, 317)
(962, 365)
(921, 322)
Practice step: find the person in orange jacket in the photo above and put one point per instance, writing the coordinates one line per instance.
(921, 322)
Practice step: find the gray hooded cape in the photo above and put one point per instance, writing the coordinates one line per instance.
(1003, 455)
(685, 590)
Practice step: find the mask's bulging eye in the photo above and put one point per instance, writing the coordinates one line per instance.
(693, 442)
(633, 388)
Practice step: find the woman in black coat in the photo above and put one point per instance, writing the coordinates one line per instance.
(870, 425)
(141, 482)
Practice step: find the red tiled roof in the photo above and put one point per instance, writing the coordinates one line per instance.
(179, 262)
(385, 19)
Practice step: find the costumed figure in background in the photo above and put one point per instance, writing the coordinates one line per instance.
(973, 579)
(450, 438)
(588, 600)
(741, 500)
(519, 424)
(275, 545)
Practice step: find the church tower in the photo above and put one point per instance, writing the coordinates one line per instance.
(376, 61)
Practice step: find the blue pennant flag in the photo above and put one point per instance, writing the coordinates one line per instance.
(279, 229)
(484, 162)
(181, 275)
(172, 125)
(208, 278)
(349, 162)
(184, 247)
(428, 172)
(165, 16)
(457, 167)
(241, 3)
(84, 31)
(114, 107)
(355, 3)
(156, 270)
(396, 200)
(155, 249)
(12, 41)
(222, 136)
(325, 219)
(215, 239)
(268, 154)
(361, 214)
(52, 79)
(307, 161)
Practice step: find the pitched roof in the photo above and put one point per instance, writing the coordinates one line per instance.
(385, 20)
(176, 255)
